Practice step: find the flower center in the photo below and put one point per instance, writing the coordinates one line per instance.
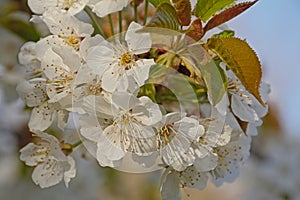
(165, 134)
(73, 41)
(67, 4)
(95, 88)
(127, 60)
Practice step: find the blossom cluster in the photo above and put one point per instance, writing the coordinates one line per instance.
(75, 71)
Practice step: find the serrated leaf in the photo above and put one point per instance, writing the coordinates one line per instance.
(241, 59)
(195, 31)
(155, 3)
(226, 33)
(205, 9)
(228, 14)
(164, 19)
(184, 11)
(23, 29)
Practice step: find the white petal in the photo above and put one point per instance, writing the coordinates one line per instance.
(151, 112)
(110, 79)
(207, 163)
(193, 179)
(91, 133)
(27, 152)
(39, 6)
(99, 59)
(62, 119)
(108, 148)
(77, 6)
(48, 174)
(105, 7)
(138, 43)
(141, 71)
(170, 186)
(42, 117)
(124, 100)
(33, 93)
(71, 172)
(98, 106)
(222, 106)
(242, 110)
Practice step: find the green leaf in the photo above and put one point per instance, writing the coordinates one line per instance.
(164, 18)
(155, 3)
(174, 89)
(205, 9)
(203, 66)
(184, 11)
(226, 33)
(228, 14)
(241, 59)
(23, 29)
(148, 90)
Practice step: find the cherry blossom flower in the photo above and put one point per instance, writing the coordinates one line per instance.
(72, 7)
(105, 7)
(51, 164)
(175, 135)
(130, 121)
(33, 92)
(172, 181)
(117, 62)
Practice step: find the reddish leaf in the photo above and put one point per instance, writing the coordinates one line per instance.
(184, 11)
(228, 14)
(196, 31)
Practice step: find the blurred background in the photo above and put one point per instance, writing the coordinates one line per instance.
(271, 27)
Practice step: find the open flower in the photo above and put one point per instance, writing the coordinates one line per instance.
(175, 135)
(129, 125)
(51, 164)
(43, 114)
(116, 62)
(172, 181)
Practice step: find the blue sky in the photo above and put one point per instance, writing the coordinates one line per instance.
(272, 27)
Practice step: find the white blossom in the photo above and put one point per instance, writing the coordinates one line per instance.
(129, 125)
(172, 181)
(175, 135)
(33, 92)
(72, 7)
(117, 63)
(51, 164)
(105, 7)
(60, 68)
(232, 155)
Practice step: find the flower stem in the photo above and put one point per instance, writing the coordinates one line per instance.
(146, 11)
(135, 7)
(120, 22)
(111, 24)
(98, 28)
(77, 144)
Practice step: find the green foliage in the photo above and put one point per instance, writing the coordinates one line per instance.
(241, 59)
(155, 3)
(226, 33)
(202, 66)
(23, 29)
(148, 90)
(165, 21)
(205, 9)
